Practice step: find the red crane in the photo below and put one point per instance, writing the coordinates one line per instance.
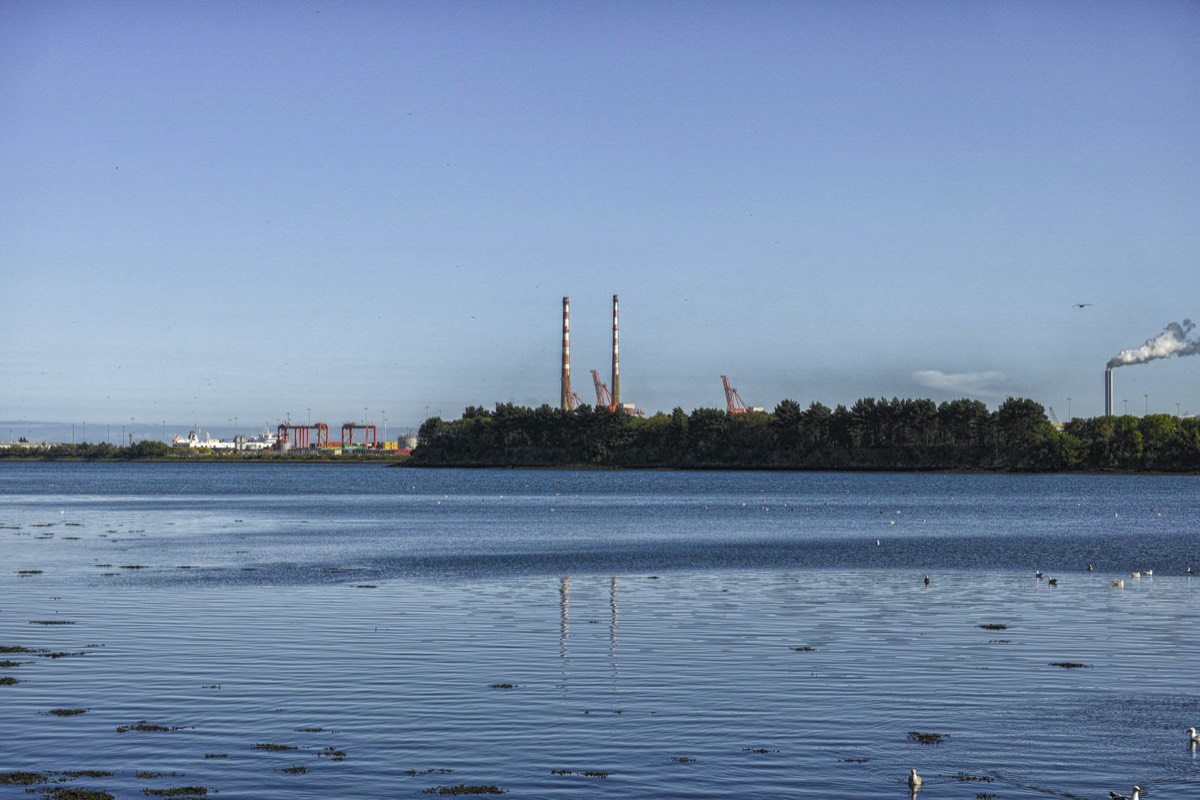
(368, 435)
(603, 396)
(301, 435)
(733, 402)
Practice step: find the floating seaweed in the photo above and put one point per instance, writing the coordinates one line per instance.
(68, 712)
(1068, 665)
(142, 725)
(23, 778)
(927, 738)
(274, 748)
(993, 626)
(71, 793)
(178, 791)
(431, 771)
(966, 777)
(463, 788)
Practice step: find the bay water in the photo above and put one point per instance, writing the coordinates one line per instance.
(357, 631)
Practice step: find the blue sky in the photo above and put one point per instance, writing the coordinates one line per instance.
(215, 210)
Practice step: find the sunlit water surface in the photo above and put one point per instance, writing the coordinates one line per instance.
(596, 634)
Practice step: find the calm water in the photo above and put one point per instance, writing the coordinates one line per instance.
(673, 634)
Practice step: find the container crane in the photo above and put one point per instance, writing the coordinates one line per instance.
(603, 396)
(733, 402)
(348, 430)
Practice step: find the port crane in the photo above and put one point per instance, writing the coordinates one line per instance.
(733, 401)
(603, 396)
(300, 436)
(348, 430)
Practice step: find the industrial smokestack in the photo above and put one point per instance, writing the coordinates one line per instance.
(1108, 392)
(565, 401)
(616, 361)
(1173, 341)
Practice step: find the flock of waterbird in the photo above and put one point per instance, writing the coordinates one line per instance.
(915, 780)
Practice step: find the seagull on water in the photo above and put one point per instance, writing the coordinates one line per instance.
(1195, 736)
(1119, 584)
(914, 781)
(1137, 790)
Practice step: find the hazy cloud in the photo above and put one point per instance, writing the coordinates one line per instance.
(981, 384)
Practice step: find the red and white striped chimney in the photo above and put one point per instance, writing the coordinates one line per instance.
(565, 400)
(616, 361)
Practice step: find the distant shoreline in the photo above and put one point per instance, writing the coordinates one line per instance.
(404, 462)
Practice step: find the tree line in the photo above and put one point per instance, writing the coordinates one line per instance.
(896, 434)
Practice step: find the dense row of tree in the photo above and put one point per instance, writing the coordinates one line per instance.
(871, 434)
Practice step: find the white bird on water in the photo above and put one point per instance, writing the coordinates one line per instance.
(1195, 736)
(1137, 790)
(914, 781)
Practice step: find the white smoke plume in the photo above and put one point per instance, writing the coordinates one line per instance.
(1173, 341)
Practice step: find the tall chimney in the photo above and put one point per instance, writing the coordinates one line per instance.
(1108, 392)
(565, 400)
(616, 364)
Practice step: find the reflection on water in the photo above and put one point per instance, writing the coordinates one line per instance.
(714, 644)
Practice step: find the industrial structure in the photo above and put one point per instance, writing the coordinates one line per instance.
(733, 401)
(616, 362)
(569, 400)
(299, 437)
(1108, 392)
(293, 436)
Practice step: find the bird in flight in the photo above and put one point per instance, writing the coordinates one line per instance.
(1082, 305)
